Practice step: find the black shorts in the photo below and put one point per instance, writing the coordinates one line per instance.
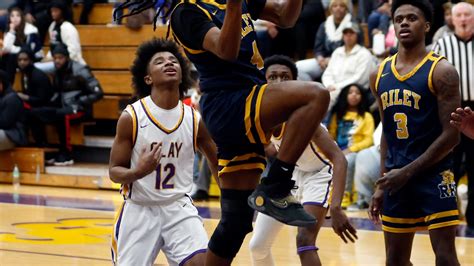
(424, 203)
(233, 119)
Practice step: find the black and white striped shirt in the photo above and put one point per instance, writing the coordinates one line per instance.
(460, 54)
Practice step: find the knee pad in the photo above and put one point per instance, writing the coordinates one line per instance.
(235, 223)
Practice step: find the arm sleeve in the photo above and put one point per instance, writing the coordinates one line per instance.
(190, 25)
(8, 43)
(9, 115)
(319, 41)
(367, 130)
(70, 37)
(93, 90)
(256, 7)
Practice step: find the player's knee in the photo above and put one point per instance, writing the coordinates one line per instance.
(258, 250)
(395, 258)
(318, 94)
(305, 237)
(235, 223)
(446, 257)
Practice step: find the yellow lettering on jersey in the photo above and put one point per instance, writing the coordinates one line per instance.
(400, 97)
(390, 97)
(417, 98)
(397, 101)
(248, 26)
(384, 99)
(406, 98)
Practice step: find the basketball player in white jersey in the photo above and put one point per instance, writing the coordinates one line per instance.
(152, 157)
(313, 175)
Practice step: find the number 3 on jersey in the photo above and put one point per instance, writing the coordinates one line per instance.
(402, 130)
(170, 171)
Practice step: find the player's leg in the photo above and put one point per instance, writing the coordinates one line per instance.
(306, 237)
(264, 234)
(302, 105)
(185, 239)
(398, 248)
(313, 190)
(132, 242)
(443, 244)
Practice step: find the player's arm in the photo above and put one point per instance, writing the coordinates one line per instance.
(121, 153)
(225, 42)
(463, 120)
(446, 86)
(284, 13)
(207, 147)
(375, 205)
(340, 223)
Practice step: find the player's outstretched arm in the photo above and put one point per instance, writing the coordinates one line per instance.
(121, 153)
(207, 147)
(284, 13)
(340, 223)
(463, 120)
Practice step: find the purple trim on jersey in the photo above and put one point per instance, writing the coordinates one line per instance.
(130, 192)
(320, 158)
(117, 226)
(192, 255)
(325, 198)
(194, 130)
(136, 124)
(302, 249)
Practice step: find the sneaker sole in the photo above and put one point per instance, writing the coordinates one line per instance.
(262, 209)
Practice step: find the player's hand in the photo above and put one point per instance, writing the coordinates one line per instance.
(375, 206)
(341, 225)
(149, 159)
(463, 120)
(393, 181)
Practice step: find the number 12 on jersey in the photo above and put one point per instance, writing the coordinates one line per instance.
(169, 170)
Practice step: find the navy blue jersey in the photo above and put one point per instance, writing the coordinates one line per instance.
(410, 108)
(192, 19)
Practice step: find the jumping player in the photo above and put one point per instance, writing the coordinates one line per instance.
(152, 157)
(240, 111)
(313, 175)
(416, 91)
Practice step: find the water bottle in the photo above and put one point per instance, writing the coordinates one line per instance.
(16, 178)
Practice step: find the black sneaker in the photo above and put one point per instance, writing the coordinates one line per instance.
(285, 209)
(200, 195)
(63, 159)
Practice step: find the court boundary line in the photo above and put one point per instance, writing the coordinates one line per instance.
(53, 254)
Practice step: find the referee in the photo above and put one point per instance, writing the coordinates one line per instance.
(458, 49)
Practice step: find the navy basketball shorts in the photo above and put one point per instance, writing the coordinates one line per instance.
(426, 202)
(233, 119)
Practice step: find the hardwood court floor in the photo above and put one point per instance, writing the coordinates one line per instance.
(59, 226)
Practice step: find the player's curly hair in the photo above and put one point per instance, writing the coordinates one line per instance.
(282, 60)
(138, 6)
(143, 56)
(424, 5)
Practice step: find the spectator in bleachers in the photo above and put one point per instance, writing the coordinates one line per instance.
(352, 127)
(36, 89)
(20, 33)
(61, 31)
(349, 64)
(367, 171)
(448, 28)
(379, 19)
(311, 17)
(328, 38)
(37, 13)
(75, 91)
(12, 131)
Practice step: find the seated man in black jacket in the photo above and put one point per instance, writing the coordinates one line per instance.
(75, 89)
(12, 131)
(36, 89)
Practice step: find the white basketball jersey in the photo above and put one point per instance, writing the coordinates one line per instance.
(310, 160)
(177, 130)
